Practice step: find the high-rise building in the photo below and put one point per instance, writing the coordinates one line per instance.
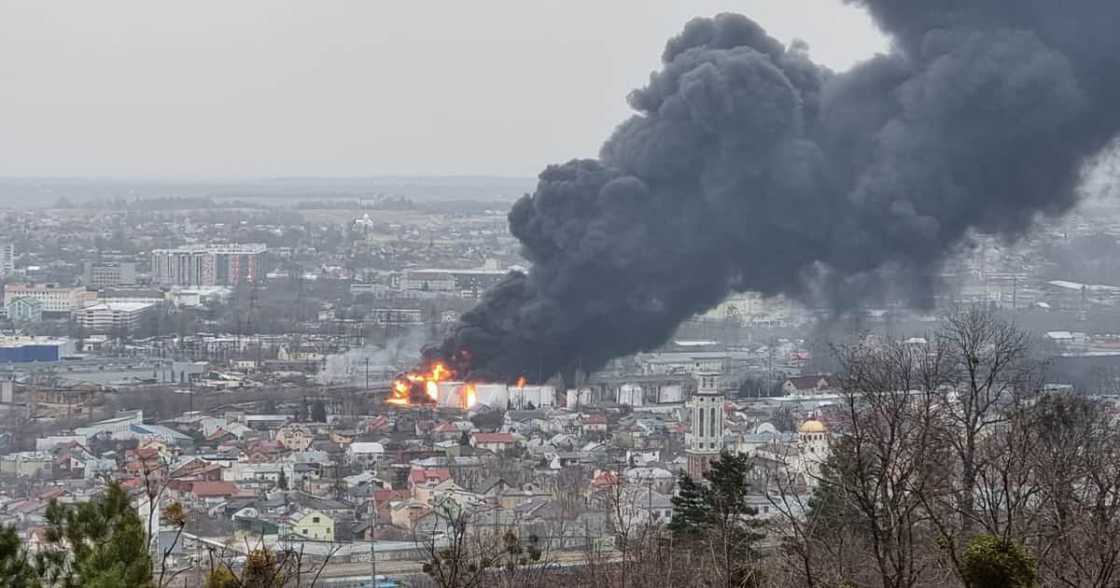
(208, 265)
(705, 436)
(7, 259)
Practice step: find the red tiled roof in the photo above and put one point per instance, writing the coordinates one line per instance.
(51, 493)
(26, 506)
(421, 475)
(383, 495)
(604, 478)
(594, 419)
(493, 437)
(214, 489)
(378, 423)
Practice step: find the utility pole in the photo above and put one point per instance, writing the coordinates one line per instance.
(372, 542)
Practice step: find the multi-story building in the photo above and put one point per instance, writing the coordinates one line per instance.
(7, 259)
(467, 282)
(181, 267)
(208, 265)
(106, 274)
(237, 263)
(396, 316)
(24, 309)
(112, 317)
(55, 299)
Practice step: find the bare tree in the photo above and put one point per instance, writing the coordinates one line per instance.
(988, 370)
(892, 454)
(263, 567)
(464, 554)
(1077, 534)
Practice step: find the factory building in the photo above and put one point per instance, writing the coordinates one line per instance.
(396, 316)
(459, 282)
(31, 349)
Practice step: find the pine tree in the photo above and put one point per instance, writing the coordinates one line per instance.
(15, 566)
(101, 543)
(715, 517)
(690, 511)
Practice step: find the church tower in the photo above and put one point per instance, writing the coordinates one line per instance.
(813, 450)
(705, 436)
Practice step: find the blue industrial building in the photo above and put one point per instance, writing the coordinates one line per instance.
(32, 349)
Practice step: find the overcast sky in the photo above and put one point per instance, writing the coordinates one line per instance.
(229, 88)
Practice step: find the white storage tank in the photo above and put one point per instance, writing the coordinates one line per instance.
(672, 393)
(493, 395)
(630, 394)
(538, 396)
(576, 398)
(450, 394)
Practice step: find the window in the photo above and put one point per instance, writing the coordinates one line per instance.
(315, 519)
(305, 531)
(712, 422)
(700, 429)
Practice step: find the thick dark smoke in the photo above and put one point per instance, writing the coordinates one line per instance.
(747, 167)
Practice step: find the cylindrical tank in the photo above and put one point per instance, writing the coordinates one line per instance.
(493, 395)
(630, 394)
(671, 394)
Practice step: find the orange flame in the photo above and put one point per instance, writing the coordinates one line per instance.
(470, 396)
(521, 382)
(402, 387)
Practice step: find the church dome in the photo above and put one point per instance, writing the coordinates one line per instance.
(812, 426)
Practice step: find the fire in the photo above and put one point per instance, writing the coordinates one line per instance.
(427, 381)
(521, 382)
(470, 396)
(424, 387)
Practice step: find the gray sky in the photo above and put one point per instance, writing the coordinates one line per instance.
(228, 88)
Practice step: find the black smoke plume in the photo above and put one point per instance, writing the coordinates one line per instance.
(747, 167)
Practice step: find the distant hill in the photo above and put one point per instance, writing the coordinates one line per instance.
(45, 192)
